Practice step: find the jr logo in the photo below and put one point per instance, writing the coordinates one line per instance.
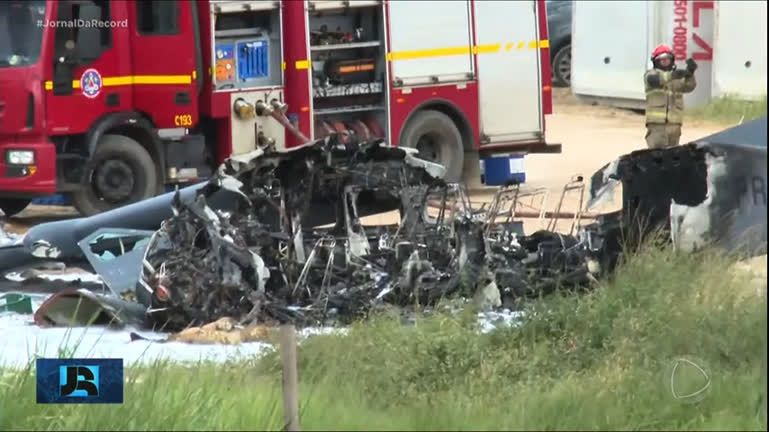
(79, 381)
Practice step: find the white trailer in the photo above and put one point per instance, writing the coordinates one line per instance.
(739, 49)
(612, 44)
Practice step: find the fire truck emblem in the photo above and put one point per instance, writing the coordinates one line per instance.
(91, 83)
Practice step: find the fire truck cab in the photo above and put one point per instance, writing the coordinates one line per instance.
(111, 102)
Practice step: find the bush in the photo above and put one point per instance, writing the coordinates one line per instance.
(730, 110)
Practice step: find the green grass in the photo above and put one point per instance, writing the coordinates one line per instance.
(595, 361)
(729, 110)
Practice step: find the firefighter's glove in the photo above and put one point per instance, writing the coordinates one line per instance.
(691, 65)
(679, 73)
(654, 81)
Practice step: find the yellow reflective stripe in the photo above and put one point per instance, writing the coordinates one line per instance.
(302, 64)
(655, 114)
(427, 53)
(486, 49)
(134, 79)
(465, 50)
(148, 79)
(656, 91)
(656, 117)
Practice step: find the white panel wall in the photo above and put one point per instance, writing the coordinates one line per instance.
(609, 48)
(739, 66)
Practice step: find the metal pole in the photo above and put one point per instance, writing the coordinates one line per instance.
(535, 215)
(290, 386)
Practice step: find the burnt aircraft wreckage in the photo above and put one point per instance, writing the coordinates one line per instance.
(251, 244)
(710, 191)
(277, 237)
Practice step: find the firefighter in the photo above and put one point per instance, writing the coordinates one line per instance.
(665, 86)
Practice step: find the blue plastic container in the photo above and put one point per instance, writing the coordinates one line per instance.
(497, 171)
(253, 59)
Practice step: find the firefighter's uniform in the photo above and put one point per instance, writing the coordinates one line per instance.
(665, 88)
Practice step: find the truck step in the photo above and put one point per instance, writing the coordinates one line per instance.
(52, 200)
(63, 200)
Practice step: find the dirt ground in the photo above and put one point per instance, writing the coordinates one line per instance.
(591, 137)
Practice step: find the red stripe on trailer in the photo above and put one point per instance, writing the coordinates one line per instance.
(297, 81)
(544, 60)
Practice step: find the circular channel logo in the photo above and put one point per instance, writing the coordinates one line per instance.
(688, 379)
(90, 83)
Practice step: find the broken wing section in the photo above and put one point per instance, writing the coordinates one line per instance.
(733, 214)
(709, 192)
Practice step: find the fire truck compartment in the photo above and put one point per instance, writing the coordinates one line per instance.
(419, 54)
(247, 48)
(349, 69)
(247, 132)
(513, 27)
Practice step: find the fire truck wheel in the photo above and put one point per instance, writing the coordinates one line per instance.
(120, 172)
(562, 66)
(13, 206)
(437, 139)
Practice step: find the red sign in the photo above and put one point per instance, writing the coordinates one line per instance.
(680, 39)
(707, 51)
(680, 30)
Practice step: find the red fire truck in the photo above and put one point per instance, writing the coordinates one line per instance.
(110, 102)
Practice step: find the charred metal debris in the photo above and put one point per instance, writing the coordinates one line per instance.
(260, 264)
(277, 237)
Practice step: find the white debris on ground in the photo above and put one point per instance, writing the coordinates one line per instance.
(490, 321)
(22, 340)
(66, 276)
(8, 239)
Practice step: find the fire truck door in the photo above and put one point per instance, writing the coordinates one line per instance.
(80, 91)
(163, 61)
(509, 80)
(430, 41)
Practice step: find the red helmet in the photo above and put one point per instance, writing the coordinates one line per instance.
(660, 50)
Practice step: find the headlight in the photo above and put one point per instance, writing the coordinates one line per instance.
(20, 157)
